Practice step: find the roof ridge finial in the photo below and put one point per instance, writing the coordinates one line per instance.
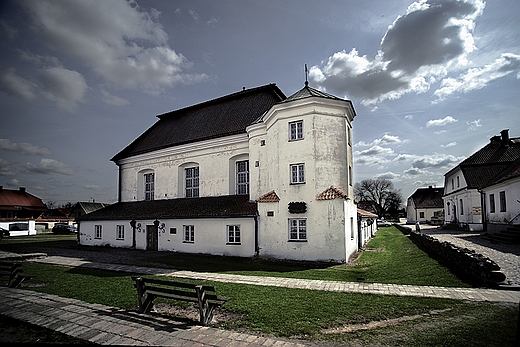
(306, 76)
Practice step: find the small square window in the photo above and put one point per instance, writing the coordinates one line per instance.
(233, 234)
(98, 229)
(296, 130)
(297, 173)
(297, 229)
(120, 232)
(189, 233)
(173, 231)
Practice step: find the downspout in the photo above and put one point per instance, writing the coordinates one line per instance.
(257, 246)
(119, 183)
(483, 210)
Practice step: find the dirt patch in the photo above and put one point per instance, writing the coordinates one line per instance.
(192, 313)
(379, 324)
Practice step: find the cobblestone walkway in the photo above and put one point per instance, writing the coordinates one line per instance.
(505, 255)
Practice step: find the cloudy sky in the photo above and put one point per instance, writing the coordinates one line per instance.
(431, 81)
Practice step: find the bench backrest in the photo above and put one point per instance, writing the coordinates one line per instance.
(183, 289)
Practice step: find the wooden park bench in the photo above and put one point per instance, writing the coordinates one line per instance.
(13, 274)
(150, 288)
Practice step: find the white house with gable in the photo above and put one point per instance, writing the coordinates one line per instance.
(253, 173)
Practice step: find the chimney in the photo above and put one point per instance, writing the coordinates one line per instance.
(22, 189)
(505, 137)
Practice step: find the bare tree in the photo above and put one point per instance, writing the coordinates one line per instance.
(380, 194)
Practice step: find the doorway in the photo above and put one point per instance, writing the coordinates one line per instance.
(152, 239)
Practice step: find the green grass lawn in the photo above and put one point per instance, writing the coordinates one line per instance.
(304, 314)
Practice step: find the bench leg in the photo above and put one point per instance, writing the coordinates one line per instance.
(205, 308)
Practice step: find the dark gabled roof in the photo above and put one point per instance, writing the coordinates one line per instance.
(205, 207)
(89, 207)
(224, 116)
(488, 162)
(512, 171)
(11, 200)
(428, 197)
(307, 92)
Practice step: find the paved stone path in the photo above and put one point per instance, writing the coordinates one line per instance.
(113, 326)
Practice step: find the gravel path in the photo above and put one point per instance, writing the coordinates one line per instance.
(507, 256)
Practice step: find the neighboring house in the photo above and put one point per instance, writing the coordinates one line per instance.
(250, 173)
(19, 210)
(425, 205)
(463, 184)
(367, 226)
(502, 200)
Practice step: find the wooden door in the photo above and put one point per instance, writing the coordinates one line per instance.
(152, 240)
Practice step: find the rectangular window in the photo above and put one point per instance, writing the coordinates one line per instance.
(452, 184)
(492, 203)
(297, 229)
(98, 231)
(458, 181)
(173, 231)
(350, 178)
(189, 233)
(503, 201)
(233, 232)
(297, 173)
(120, 232)
(149, 186)
(296, 130)
(192, 182)
(421, 214)
(242, 177)
(461, 207)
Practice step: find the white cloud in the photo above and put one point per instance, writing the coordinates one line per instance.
(93, 187)
(436, 161)
(478, 78)
(386, 139)
(440, 132)
(473, 125)
(431, 40)
(440, 122)
(413, 171)
(116, 39)
(113, 100)
(451, 144)
(387, 175)
(49, 166)
(6, 168)
(23, 148)
(18, 86)
(65, 87)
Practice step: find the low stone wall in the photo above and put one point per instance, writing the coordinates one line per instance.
(467, 264)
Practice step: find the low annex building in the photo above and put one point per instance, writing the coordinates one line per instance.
(253, 173)
(425, 205)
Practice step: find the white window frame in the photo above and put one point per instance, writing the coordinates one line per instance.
(242, 177)
(188, 235)
(502, 203)
(233, 235)
(492, 208)
(120, 232)
(297, 229)
(149, 186)
(192, 182)
(296, 130)
(98, 231)
(297, 173)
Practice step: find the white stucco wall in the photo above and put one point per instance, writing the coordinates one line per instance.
(210, 235)
(215, 159)
(500, 219)
(30, 230)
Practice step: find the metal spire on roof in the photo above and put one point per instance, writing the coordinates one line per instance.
(306, 75)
